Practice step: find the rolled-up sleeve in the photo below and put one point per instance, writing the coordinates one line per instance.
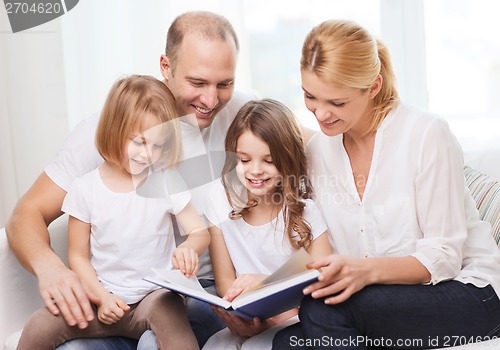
(439, 199)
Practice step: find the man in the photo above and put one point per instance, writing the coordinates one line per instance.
(198, 67)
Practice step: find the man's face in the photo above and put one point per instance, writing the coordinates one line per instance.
(202, 79)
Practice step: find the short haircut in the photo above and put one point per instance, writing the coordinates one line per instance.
(209, 25)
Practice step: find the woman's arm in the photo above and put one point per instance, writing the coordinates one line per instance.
(348, 275)
(343, 276)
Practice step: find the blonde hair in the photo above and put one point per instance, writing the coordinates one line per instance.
(275, 124)
(343, 53)
(129, 101)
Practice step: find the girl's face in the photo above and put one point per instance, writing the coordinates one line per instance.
(256, 169)
(145, 146)
(337, 109)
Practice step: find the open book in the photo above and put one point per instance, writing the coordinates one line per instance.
(279, 292)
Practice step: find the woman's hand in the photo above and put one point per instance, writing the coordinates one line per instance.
(111, 309)
(186, 260)
(340, 278)
(243, 283)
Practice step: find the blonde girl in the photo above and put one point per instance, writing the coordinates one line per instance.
(261, 212)
(126, 235)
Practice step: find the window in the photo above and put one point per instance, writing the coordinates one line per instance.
(274, 32)
(446, 53)
(463, 68)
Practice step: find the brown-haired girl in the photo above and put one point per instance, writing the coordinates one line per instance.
(116, 236)
(262, 212)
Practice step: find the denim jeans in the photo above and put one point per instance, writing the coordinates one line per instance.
(203, 320)
(109, 343)
(397, 316)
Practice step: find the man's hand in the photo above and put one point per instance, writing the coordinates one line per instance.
(63, 294)
(60, 288)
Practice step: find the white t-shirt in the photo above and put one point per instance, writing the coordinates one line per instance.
(129, 236)
(256, 249)
(78, 156)
(415, 201)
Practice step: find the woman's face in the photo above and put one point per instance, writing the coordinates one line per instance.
(338, 109)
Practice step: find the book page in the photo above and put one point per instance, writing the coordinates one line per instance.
(177, 277)
(176, 281)
(297, 282)
(296, 264)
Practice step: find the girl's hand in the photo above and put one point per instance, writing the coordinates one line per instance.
(238, 325)
(243, 283)
(111, 309)
(341, 277)
(249, 328)
(186, 260)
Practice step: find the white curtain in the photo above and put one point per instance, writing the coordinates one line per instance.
(33, 118)
(57, 74)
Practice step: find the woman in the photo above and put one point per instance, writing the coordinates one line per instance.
(413, 265)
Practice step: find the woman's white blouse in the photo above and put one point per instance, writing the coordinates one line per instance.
(415, 200)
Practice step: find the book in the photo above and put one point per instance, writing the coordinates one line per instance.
(279, 292)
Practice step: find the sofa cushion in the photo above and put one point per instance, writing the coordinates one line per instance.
(486, 193)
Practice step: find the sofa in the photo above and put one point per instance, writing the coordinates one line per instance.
(19, 295)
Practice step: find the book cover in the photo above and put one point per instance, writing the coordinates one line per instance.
(279, 292)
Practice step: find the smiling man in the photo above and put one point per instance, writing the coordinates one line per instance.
(200, 71)
(199, 67)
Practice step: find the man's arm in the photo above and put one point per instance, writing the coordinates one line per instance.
(29, 238)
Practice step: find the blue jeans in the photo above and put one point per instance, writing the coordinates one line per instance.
(203, 320)
(398, 316)
(109, 343)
